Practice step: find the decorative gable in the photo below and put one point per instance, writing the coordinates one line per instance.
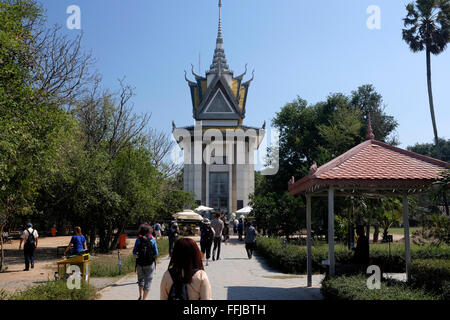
(219, 104)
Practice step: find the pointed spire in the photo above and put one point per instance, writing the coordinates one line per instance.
(219, 64)
(219, 33)
(370, 135)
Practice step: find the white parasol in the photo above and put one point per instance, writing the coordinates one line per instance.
(203, 209)
(187, 215)
(245, 210)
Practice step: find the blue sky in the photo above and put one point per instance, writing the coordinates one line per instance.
(297, 47)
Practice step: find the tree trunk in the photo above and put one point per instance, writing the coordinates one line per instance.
(1, 247)
(385, 233)
(116, 237)
(430, 97)
(444, 199)
(376, 233)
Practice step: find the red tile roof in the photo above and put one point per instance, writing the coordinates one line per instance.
(373, 164)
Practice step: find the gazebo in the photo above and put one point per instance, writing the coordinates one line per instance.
(372, 168)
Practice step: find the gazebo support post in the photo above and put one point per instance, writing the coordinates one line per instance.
(407, 238)
(331, 260)
(308, 240)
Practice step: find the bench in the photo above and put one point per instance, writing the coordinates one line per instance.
(58, 249)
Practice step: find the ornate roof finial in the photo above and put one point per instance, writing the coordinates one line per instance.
(370, 135)
(291, 181)
(313, 168)
(219, 34)
(219, 64)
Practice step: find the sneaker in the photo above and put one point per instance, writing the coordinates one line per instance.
(26, 269)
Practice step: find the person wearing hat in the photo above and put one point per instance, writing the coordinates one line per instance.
(207, 234)
(30, 236)
(174, 230)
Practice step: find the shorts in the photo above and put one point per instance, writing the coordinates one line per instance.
(205, 248)
(145, 276)
(158, 233)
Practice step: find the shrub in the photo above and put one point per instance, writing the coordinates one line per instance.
(3, 295)
(108, 265)
(293, 258)
(355, 288)
(432, 275)
(56, 290)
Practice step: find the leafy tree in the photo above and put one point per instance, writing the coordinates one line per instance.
(30, 127)
(318, 133)
(429, 149)
(368, 101)
(278, 214)
(427, 27)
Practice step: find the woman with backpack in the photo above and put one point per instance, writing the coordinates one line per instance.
(145, 251)
(185, 278)
(206, 239)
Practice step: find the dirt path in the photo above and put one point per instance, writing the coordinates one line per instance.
(15, 279)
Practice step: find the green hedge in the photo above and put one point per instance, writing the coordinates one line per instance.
(292, 259)
(55, 290)
(355, 288)
(432, 275)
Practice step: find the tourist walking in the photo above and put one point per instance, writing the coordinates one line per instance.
(157, 228)
(77, 243)
(185, 271)
(250, 239)
(217, 224)
(30, 237)
(173, 232)
(206, 239)
(226, 232)
(145, 251)
(240, 229)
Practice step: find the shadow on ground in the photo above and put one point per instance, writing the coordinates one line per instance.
(267, 293)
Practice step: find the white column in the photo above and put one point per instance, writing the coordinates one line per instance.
(407, 240)
(230, 190)
(207, 185)
(308, 241)
(331, 260)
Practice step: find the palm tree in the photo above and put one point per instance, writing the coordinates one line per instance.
(427, 27)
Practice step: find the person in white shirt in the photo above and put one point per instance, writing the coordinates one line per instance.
(30, 237)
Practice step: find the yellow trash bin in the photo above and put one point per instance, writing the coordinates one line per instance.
(82, 261)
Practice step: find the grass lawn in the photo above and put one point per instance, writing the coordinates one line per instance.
(107, 265)
(401, 232)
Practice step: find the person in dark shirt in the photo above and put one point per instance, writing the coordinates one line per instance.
(362, 247)
(77, 243)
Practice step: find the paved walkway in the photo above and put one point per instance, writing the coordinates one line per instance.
(234, 277)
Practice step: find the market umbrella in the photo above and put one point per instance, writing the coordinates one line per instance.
(245, 210)
(203, 209)
(187, 215)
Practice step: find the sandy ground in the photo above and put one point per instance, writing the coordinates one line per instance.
(15, 279)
